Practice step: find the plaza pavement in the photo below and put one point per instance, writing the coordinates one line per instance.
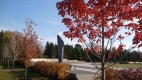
(82, 70)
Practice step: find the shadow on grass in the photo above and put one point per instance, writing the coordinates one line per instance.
(18, 74)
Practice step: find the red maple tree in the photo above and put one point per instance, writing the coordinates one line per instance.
(30, 42)
(101, 22)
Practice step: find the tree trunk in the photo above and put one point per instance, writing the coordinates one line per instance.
(102, 59)
(103, 54)
(139, 58)
(103, 69)
(13, 64)
(5, 62)
(8, 63)
(26, 69)
(121, 54)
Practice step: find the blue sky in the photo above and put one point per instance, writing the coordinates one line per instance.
(43, 12)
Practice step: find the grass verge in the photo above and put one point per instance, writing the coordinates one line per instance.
(19, 73)
(130, 65)
(136, 65)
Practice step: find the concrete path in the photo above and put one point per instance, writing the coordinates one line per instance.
(84, 70)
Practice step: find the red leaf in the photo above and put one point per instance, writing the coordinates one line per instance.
(95, 48)
(109, 56)
(120, 47)
(120, 37)
(87, 50)
(140, 45)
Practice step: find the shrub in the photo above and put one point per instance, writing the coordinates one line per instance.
(97, 75)
(124, 74)
(130, 74)
(61, 71)
(22, 63)
(29, 64)
(111, 74)
(124, 62)
(54, 69)
(18, 62)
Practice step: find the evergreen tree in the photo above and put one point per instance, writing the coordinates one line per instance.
(84, 56)
(1, 44)
(78, 48)
(78, 53)
(46, 51)
(74, 55)
(56, 49)
(68, 51)
(65, 52)
(52, 51)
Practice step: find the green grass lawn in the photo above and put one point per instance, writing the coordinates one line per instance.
(1, 67)
(11, 66)
(130, 65)
(15, 67)
(19, 72)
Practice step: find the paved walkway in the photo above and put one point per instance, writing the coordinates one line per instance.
(84, 70)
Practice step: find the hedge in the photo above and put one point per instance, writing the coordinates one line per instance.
(124, 74)
(22, 63)
(54, 69)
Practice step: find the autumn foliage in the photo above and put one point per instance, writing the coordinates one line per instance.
(102, 22)
(87, 18)
(99, 20)
(54, 69)
(124, 74)
(30, 45)
(22, 63)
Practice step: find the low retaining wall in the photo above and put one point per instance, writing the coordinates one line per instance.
(48, 60)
